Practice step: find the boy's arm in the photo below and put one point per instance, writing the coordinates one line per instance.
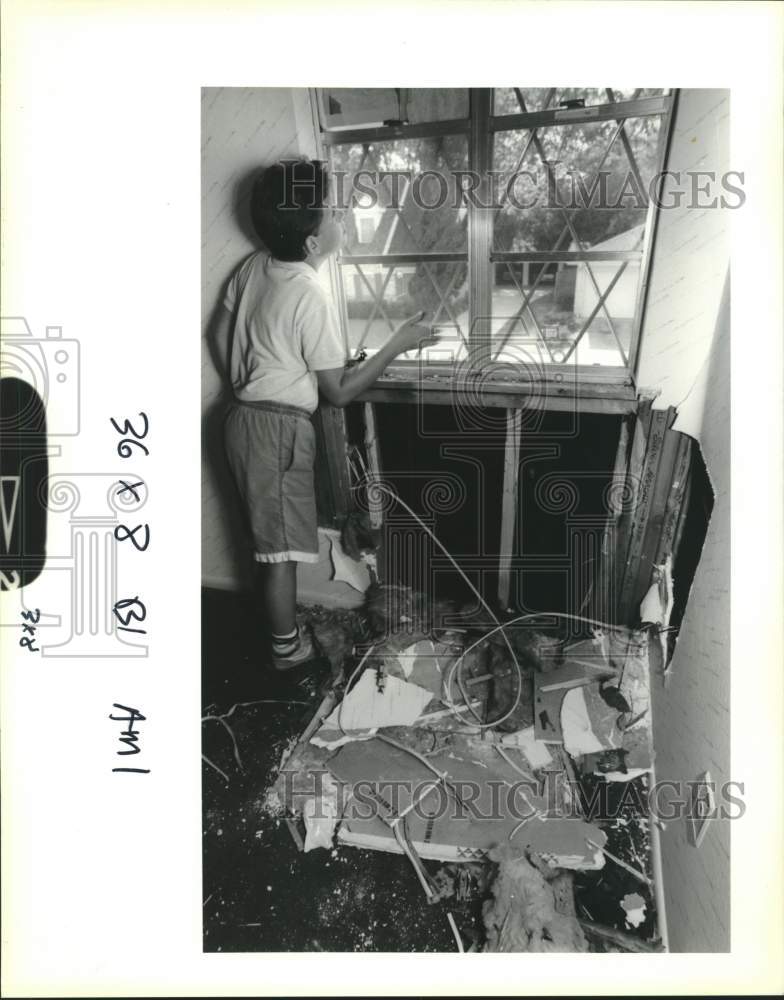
(340, 386)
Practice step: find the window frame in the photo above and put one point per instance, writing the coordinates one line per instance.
(580, 384)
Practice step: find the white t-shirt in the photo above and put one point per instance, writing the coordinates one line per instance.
(285, 329)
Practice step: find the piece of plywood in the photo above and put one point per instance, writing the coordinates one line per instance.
(496, 806)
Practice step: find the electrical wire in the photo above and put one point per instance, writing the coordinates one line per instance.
(500, 627)
(404, 841)
(391, 493)
(442, 776)
(455, 932)
(510, 762)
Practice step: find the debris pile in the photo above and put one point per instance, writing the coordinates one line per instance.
(528, 912)
(448, 741)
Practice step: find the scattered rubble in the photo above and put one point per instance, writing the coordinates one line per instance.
(433, 708)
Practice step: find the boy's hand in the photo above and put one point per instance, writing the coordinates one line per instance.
(412, 334)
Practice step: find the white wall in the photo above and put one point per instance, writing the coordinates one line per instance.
(685, 353)
(243, 129)
(691, 257)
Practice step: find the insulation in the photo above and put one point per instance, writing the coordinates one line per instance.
(526, 912)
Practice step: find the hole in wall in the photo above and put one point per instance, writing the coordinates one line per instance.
(452, 475)
(691, 534)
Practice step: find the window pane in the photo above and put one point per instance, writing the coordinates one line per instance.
(379, 297)
(359, 107)
(534, 98)
(426, 104)
(550, 98)
(539, 311)
(597, 194)
(419, 210)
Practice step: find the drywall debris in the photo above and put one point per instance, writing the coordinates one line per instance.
(588, 723)
(635, 906)
(321, 815)
(536, 752)
(365, 709)
(354, 572)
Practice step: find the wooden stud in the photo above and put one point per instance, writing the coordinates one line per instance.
(332, 472)
(509, 501)
(374, 464)
(653, 528)
(606, 609)
(675, 506)
(646, 446)
(660, 485)
(683, 509)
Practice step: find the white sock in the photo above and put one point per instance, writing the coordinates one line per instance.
(285, 644)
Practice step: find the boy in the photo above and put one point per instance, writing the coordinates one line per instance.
(285, 348)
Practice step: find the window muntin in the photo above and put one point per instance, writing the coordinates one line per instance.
(579, 170)
(564, 276)
(380, 296)
(414, 211)
(570, 312)
(506, 99)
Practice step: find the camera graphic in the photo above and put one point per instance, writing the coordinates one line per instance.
(50, 365)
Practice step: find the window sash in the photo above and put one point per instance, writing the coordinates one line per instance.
(480, 128)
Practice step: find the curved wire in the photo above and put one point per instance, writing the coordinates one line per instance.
(499, 628)
(391, 493)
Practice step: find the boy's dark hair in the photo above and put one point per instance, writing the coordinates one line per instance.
(286, 206)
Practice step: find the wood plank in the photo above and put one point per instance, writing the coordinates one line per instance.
(604, 607)
(332, 472)
(556, 401)
(588, 380)
(682, 512)
(659, 490)
(675, 504)
(644, 489)
(509, 501)
(638, 430)
(375, 504)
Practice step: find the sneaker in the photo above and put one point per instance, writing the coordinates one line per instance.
(303, 652)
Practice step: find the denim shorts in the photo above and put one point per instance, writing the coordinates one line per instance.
(271, 448)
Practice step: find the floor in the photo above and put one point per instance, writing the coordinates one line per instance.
(260, 893)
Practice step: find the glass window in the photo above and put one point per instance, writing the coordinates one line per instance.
(379, 297)
(363, 107)
(569, 214)
(565, 312)
(572, 187)
(410, 190)
(516, 100)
